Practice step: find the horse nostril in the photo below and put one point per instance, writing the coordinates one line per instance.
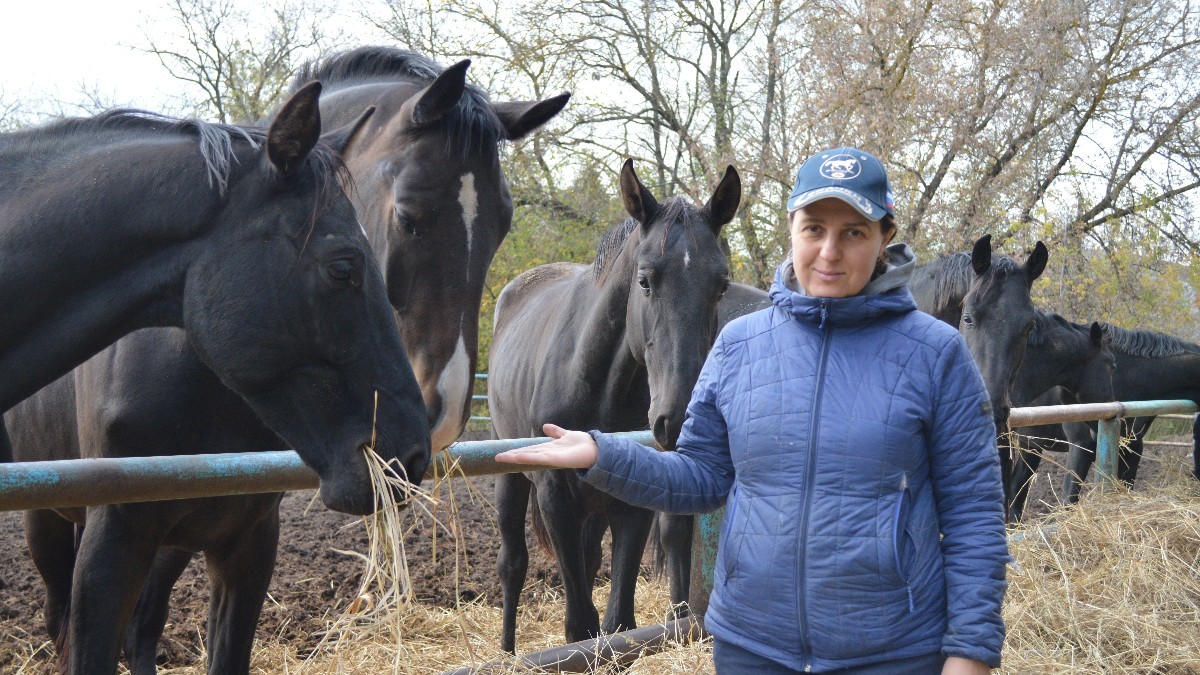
(663, 433)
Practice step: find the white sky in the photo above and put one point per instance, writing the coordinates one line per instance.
(54, 49)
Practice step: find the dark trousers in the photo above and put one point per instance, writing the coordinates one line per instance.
(729, 659)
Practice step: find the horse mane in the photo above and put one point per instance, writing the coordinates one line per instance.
(217, 142)
(613, 241)
(473, 123)
(1144, 343)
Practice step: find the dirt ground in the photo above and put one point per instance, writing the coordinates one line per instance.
(313, 580)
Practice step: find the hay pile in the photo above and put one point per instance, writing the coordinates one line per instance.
(1115, 589)
(1112, 587)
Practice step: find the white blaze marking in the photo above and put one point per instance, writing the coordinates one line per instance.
(687, 257)
(454, 387)
(469, 200)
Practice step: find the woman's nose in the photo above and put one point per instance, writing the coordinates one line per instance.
(830, 249)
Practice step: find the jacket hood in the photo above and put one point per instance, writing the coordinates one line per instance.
(886, 294)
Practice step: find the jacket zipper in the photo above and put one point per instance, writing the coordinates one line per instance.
(809, 479)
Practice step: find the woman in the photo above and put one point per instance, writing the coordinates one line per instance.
(852, 438)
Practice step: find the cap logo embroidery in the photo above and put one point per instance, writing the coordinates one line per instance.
(841, 167)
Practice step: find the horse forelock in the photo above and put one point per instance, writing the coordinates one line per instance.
(1048, 325)
(471, 126)
(1146, 343)
(1001, 268)
(671, 211)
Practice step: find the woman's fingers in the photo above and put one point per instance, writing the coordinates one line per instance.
(569, 450)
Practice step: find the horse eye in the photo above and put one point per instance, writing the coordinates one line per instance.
(644, 282)
(408, 225)
(340, 270)
(724, 289)
(968, 320)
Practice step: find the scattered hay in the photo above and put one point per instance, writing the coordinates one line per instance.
(1115, 588)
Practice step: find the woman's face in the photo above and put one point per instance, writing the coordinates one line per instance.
(835, 248)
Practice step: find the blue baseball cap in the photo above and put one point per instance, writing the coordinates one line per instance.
(849, 174)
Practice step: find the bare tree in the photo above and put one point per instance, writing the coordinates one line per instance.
(239, 62)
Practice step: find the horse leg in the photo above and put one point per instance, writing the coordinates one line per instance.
(594, 527)
(110, 569)
(1028, 461)
(1132, 457)
(1006, 472)
(150, 616)
(239, 574)
(51, 540)
(565, 529)
(512, 562)
(1079, 463)
(630, 528)
(675, 540)
(1196, 447)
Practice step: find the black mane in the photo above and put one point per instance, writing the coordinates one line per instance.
(1146, 343)
(473, 123)
(217, 142)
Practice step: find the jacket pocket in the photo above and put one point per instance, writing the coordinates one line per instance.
(901, 540)
(728, 548)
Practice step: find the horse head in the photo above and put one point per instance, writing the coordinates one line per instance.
(291, 312)
(679, 276)
(997, 316)
(433, 198)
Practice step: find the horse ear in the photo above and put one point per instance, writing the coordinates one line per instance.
(340, 139)
(295, 130)
(521, 117)
(1035, 264)
(440, 96)
(723, 204)
(981, 255)
(638, 201)
(1096, 334)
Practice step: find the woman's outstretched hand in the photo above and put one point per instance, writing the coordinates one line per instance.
(568, 450)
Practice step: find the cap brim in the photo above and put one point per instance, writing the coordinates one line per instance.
(866, 207)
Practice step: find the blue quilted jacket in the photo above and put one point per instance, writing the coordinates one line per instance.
(853, 446)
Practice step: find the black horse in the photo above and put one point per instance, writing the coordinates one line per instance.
(596, 347)
(1065, 362)
(434, 201)
(1149, 365)
(986, 296)
(245, 239)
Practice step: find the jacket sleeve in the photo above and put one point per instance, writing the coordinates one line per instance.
(965, 468)
(695, 478)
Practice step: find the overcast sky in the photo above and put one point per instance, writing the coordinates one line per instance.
(55, 49)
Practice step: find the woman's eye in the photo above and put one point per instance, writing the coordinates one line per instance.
(341, 270)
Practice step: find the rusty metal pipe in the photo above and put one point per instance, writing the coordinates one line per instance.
(91, 482)
(587, 655)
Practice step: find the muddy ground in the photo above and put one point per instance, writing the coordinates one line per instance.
(313, 580)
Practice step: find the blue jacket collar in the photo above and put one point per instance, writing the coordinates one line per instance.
(886, 294)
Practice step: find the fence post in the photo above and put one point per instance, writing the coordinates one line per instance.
(1108, 450)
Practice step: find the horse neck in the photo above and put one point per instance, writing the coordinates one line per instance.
(1148, 378)
(602, 351)
(74, 281)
